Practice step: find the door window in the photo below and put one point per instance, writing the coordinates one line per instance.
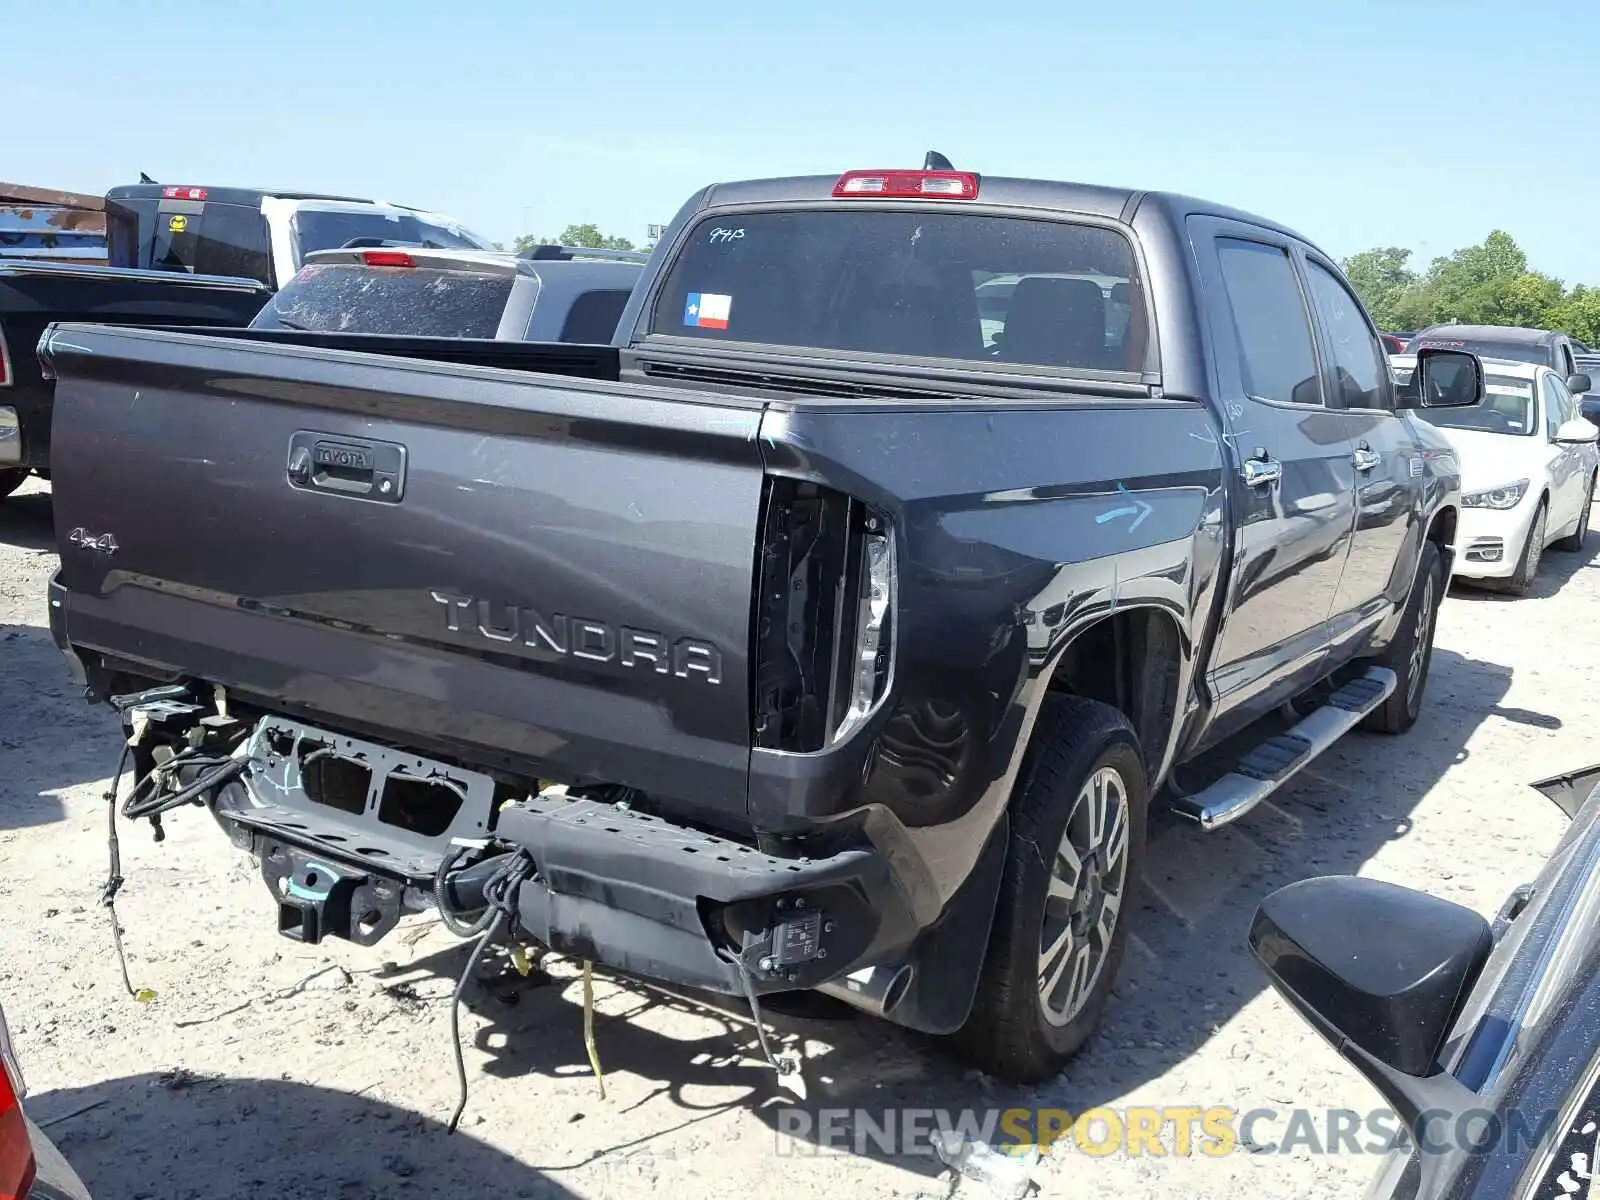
(1358, 364)
(1557, 407)
(1277, 360)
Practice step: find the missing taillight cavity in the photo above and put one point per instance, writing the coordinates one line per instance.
(821, 620)
(422, 806)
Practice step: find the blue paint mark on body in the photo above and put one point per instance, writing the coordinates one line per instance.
(1138, 510)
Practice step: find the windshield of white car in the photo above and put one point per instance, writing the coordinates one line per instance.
(329, 229)
(1507, 407)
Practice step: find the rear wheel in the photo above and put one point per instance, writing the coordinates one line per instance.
(1522, 580)
(1074, 861)
(1574, 540)
(11, 480)
(1410, 654)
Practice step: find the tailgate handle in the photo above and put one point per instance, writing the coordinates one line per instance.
(345, 466)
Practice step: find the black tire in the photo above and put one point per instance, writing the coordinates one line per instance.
(1527, 572)
(1574, 540)
(11, 479)
(1410, 654)
(1008, 1033)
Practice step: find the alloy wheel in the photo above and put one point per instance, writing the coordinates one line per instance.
(1084, 898)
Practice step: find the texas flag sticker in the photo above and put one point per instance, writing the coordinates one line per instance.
(707, 310)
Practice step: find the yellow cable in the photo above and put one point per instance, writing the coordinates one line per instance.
(588, 1027)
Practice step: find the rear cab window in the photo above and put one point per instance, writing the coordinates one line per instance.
(974, 288)
(400, 301)
(199, 238)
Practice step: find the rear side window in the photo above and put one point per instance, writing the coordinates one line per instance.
(1276, 357)
(942, 285)
(594, 315)
(406, 301)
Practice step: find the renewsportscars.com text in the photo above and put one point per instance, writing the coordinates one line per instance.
(1151, 1131)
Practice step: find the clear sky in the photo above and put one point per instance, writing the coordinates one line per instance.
(1359, 123)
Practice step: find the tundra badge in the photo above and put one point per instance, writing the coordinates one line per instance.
(596, 641)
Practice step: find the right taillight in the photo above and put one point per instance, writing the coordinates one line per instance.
(824, 616)
(17, 1164)
(868, 651)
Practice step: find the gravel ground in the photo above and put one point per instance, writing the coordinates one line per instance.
(263, 1068)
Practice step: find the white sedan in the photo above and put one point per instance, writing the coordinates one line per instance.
(1528, 466)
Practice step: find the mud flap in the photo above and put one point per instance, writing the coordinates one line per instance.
(947, 958)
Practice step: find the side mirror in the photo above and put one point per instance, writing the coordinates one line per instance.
(1578, 384)
(1575, 432)
(1386, 1002)
(1571, 791)
(1444, 379)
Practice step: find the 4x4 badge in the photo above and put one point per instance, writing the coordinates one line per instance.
(104, 544)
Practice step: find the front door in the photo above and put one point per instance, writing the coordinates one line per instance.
(1390, 478)
(1568, 477)
(1292, 480)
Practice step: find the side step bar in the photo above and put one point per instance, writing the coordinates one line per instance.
(1275, 761)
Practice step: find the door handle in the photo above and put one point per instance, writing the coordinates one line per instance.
(347, 466)
(1262, 472)
(1366, 458)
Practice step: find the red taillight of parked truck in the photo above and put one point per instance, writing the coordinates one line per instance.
(17, 1163)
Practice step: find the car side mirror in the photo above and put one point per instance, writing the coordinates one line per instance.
(1578, 384)
(1575, 432)
(1386, 1000)
(1443, 379)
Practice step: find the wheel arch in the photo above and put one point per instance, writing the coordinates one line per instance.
(1135, 660)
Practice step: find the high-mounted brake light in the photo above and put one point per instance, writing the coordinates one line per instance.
(387, 258)
(926, 185)
(184, 193)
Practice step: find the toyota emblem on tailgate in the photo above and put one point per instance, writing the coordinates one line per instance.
(105, 543)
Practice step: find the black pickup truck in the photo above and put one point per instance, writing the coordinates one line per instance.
(34, 295)
(823, 632)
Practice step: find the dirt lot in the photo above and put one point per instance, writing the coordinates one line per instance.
(263, 1068)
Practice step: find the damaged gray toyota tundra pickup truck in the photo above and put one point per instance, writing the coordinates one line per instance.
(833, 629)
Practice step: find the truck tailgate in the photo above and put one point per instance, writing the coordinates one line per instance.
(531, 572)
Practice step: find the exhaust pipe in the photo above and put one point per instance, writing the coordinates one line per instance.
(876, 990)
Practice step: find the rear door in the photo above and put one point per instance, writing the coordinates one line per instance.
(1293, 483)
(1390, 477)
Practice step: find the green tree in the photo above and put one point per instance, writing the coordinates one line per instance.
(1487, 284)
(1469, 284)
(1578, 315)
(587, 236)
(1381, 278)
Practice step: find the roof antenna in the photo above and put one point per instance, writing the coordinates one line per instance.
(936, 162)
(143, 178)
